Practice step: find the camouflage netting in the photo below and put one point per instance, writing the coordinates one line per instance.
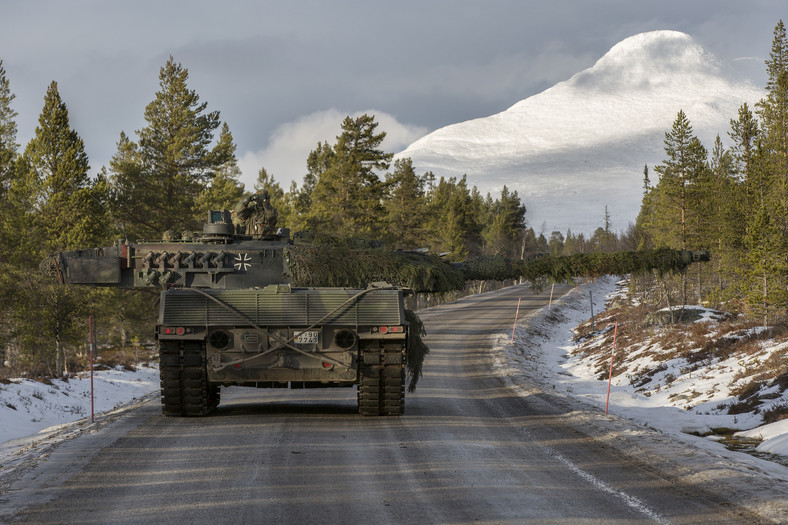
(490, 267)
(416, 349)
(566, 268)
(345, 266)
(354, 263)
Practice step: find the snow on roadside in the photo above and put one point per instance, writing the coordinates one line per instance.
(544, 351)
(774, 437)
(32, 412)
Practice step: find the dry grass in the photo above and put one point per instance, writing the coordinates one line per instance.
(776, 413)
(106, 358)
(694, 347)
(127, 358)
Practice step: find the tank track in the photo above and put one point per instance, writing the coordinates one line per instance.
(381, 387)
(185, 390)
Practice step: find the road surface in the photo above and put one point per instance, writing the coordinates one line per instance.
(469, 449)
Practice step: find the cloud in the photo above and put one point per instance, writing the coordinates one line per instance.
(290, 144)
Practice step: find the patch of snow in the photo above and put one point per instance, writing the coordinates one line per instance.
(774, 437)
(693, 402)
(673, 418)
(35, 415)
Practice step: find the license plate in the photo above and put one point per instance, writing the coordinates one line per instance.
(307, 338)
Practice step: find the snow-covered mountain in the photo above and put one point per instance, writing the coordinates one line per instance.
(582, 144)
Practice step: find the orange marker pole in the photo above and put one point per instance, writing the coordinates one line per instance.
(610, 376)
(515, 317)
(550, 304)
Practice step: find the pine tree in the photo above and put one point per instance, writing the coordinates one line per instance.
(283, 203)
(744, 132)
(505, 224)
(157, 181)
(451, 218)
(556, 243)
(8, 155)
(347, 196)
(676, 209)
(405, 206)
(674, 212)
(773, 112)
(224, 189)
(674, 178)
(48, 320)
(64, 209)
(765, 257)
(747, 165)
(8, 129)
(267, 182)
(67, 208)
(299, 200)
(603, 239)
(725, 208)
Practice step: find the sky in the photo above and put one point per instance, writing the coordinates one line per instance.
(283, 75)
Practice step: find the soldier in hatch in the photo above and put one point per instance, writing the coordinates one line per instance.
(256, 216)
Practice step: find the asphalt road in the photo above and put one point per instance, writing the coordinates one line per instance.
(468, 450)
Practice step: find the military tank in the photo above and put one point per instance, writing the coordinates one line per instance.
(229, 315)
(243, 303)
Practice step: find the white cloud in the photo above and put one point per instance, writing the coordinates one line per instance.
(290, 144)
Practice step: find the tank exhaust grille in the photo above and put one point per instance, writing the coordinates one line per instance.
(301, 307)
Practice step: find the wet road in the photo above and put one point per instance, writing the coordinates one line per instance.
(468, 450)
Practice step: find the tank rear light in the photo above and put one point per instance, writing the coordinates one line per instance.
(179, 330)
(387, 329)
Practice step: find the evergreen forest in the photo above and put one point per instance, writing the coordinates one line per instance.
(732, 201)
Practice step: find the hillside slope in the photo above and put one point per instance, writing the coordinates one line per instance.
(582, 144)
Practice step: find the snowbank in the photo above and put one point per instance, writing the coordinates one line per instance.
(543, 351)
(30, 409)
